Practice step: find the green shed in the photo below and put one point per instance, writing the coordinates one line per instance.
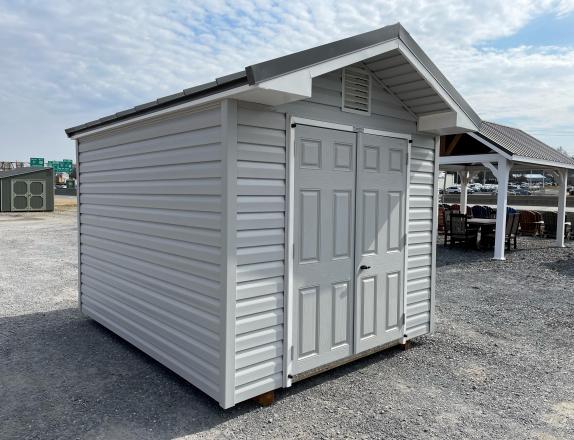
(27, 189)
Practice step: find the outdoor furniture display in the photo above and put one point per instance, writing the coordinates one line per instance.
(441, 220)
(446, 225)
(512, 225)
(569, 222)
(485, 226)
(551, 224)
(529, 223)
(461, 231)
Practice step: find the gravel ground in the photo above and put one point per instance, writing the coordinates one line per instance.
(499, 366)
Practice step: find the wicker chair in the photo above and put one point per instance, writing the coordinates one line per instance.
(459, 231)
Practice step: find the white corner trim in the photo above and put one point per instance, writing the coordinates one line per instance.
(289, 250)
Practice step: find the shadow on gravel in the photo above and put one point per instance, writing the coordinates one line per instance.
(447, 255)
(63, 375)
(563, 267)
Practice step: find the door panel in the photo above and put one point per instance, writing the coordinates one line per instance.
(323, 263)
(381, 192)
(20, 195)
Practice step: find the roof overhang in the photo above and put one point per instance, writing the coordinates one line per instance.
(469, 162)
(394, 58)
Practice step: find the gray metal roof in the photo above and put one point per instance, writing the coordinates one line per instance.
(21, 170)
(519, 143)
(417, 89)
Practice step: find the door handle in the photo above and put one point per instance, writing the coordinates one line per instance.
(364, 267)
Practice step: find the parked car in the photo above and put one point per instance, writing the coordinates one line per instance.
(453, 190)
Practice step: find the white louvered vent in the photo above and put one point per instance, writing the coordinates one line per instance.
(356, 90)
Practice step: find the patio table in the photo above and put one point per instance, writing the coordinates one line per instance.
(485, 225)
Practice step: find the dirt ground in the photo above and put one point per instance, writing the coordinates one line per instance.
(499, 366)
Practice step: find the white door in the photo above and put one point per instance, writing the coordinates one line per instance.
(380, 240)
(323, 263)
(349, 240)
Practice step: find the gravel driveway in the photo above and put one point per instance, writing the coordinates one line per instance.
(500, 365)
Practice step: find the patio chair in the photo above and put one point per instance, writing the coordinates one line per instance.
(455, 207)
(446, 225)
(569, 218)
(441, 219)
(510, 233)
(460, 231)
(551, 225)
(528, 225)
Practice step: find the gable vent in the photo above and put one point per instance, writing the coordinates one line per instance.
(356, 90)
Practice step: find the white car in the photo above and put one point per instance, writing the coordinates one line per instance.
(453, 190)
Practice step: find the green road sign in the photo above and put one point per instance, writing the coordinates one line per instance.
(37, 162)
(64, 166)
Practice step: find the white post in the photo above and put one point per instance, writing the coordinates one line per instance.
(463, 190)
(563, 182)
(503, 171)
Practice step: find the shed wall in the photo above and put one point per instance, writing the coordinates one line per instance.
(260, 251)
(150, 218)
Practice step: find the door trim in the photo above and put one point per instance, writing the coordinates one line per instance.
(288, 313)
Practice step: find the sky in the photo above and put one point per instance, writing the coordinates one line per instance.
(64, 63)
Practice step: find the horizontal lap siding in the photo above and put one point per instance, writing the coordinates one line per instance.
(150, 239)
(260, 251)
(419, 266)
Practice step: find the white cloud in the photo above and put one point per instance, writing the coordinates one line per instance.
(67, 62)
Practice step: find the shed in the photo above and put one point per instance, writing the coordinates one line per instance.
(274, 223)
(27, 189)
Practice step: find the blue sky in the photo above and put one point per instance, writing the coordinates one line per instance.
(68, 62)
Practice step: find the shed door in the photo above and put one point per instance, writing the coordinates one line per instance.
(28, 195)
(349, 212)
(19, 195)
(380, 240)
(323, 263)
(37, 195)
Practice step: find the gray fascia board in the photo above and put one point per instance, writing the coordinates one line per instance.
(187, 95)
(257, 73)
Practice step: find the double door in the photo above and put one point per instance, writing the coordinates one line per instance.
(28, 195)
(349, 244)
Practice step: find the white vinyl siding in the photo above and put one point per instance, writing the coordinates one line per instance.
(150, 239)
(260, 251)
(420, 227)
